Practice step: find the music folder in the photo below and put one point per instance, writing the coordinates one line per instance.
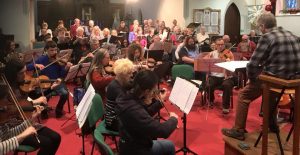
(183, 94)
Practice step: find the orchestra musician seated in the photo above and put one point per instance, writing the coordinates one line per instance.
(137, 126)
(53, 71)
(24, 134)
(227, 42)
(157, 44)
(226, 80)
(246, 47)
(80, 45)
(123, 69)
(136, 55)
(98, 75)
(189, 51)
(202, 36)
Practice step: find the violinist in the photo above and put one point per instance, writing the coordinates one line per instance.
(15, 74)
(97, 75)
(137, 126)
(54, 71)
(135, 54)
(226, 80)
(157, 43)
(49, 140)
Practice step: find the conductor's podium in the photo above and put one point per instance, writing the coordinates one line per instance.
(269, 83)
(232, 148)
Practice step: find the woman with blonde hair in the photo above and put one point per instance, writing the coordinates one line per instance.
(123, 69)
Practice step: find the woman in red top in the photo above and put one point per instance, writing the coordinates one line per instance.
(98, 77)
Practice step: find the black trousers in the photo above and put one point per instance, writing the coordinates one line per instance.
(49, 141)
(225, 85)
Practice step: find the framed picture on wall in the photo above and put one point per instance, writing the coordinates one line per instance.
(210, 18)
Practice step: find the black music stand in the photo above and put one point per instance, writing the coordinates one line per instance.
(184, 99)
(78, 70)
(157, 55)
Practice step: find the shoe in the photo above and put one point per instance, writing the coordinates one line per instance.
(233, 133)
(225, 111)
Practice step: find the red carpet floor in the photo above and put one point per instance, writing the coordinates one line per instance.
(203, 127)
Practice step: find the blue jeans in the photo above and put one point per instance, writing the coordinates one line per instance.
(163, 147)
(63, 93)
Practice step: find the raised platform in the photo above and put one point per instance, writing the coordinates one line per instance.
(231, 145)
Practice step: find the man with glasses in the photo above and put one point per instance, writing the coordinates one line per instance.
(226, 80)
(277, 54)
(53, 71)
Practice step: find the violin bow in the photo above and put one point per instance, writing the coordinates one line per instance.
(87, 56)
(37, 74)
(55, 61)
(20, 110)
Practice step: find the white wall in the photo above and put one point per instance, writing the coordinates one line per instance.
(166, 10)
(17, 18)
(223, 6)
(285, 22)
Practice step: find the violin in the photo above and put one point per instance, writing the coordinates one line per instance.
(109, 68)
(31, 83)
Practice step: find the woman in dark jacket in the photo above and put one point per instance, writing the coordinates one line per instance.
(137, 127)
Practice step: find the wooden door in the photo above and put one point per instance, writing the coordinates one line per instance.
(233, 23)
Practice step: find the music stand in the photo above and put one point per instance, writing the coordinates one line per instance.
(157, 55)
(83, 109)
(183, 95)
(27, 55)
(78, 70)
(193, 25)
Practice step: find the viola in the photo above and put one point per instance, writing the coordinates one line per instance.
(31, 83)
(109, 68)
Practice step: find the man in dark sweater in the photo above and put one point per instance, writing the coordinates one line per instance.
(137, 127)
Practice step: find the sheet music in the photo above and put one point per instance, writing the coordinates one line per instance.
(232, 65)
(190, 102)
(183, 94)
(84, 106)
(164, 35)
(74, 71)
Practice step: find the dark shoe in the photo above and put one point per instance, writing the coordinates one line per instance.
(233, 133)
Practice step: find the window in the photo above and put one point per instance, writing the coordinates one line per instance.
(291, 4)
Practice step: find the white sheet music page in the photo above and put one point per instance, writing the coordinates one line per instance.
(84, 106)
(232, 65)
(192, 97)
(183, 94)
